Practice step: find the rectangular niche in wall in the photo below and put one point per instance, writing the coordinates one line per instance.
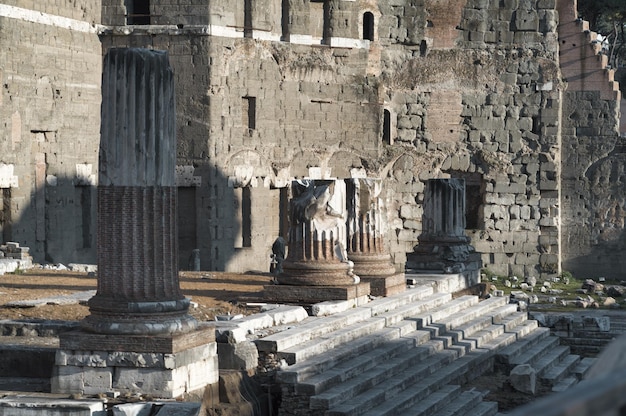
(249, 113)
(137, 12)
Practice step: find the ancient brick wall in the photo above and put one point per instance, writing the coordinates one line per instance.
(50, 66)
(272, 90)
(594, 154)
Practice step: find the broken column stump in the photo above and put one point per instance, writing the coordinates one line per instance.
(317, 267)
(443, 246)
(139, 337)
(367, 227)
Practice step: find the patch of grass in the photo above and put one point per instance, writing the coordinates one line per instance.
(564, 287)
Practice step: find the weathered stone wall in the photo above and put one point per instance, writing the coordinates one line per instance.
(50, 110)
(594, 204)
(268, 91)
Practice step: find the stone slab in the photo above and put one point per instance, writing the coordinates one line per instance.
(71, 299)
(49, 406)
(314, 294)
(157, 408)
(167, 344)
(386, 285)
(330, 307)
(187, 372)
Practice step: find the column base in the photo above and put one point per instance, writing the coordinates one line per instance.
(316, 273)
(313, 294)
(386, 285)
(160, 366)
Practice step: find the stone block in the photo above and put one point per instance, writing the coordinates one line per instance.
(85, 341)
(513, 188)
(523, 378)
(230, 332)
(22, 405)
(254, 322)
(133, 359)
(241, 356)
(190, 356)
(546, 4)
(286, 314)
(97, 380)
(204, 373)
(315, 294)
(500, 199)
(67, 379)
(159, 383)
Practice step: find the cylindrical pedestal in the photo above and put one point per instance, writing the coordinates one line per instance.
(316, 255)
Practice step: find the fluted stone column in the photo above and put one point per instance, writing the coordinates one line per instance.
(366, 228)
(317, 235)
(444, 211)
(443, 244)
(138, 337)
(138, 288)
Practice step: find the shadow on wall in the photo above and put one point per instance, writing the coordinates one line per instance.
(207, 222)
(606, 259)
(58, 223)
(600, 227)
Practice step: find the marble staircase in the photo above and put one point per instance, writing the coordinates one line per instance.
(412, 353)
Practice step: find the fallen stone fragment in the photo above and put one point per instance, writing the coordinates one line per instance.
(523, 378)
(71, 299)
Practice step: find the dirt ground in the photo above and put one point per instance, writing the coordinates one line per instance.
(211, 293)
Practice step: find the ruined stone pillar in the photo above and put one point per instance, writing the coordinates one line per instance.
(443, 245)
(139, 337)
(444, 211)
(138, 288)
(366, 229)
(317, 235)
(316, 257)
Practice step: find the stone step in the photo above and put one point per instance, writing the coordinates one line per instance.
(351, 397)
(50, 405)
(419, 362)
(341, 373)
(435, 401)
(340, 336)
(456, 329)
(328, 342)
(402, 393)
(479, 310)
(443, 311)
(421, 306)
(561, 370)
(385, 304)
(565, 384)
(462, 405)
(489, 320)
(485, 335)
(393, 308)
(35, 361)
(410, 385)
(588, 341)
(311, 328)
(512, 352)
(514, 319)
(18, 385)
(550, 358)
(387, 338)
(485, 409)
(583, 367)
